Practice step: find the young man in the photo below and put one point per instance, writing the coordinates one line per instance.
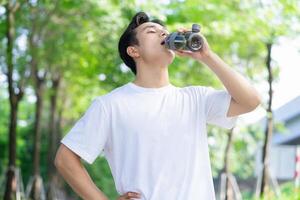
(152, 133)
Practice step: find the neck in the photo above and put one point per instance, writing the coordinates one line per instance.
(152, 76)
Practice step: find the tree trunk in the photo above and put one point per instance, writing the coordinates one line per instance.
(39, 84)
(37, 130)
(10, 176)
(37, 184)
(14, 98)
(269, 128)
(54, 179)
(52, 125)
(228, 188)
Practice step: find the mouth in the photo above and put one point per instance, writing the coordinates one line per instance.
(163, 42)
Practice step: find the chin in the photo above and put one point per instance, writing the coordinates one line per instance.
(166, 56)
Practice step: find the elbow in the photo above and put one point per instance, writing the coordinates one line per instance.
(255, 101)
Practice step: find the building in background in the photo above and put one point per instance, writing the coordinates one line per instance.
(285, 148)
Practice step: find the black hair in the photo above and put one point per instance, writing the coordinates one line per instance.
(128, 38)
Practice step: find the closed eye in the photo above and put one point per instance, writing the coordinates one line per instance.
(151, 32)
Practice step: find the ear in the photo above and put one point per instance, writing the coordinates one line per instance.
(133, 52)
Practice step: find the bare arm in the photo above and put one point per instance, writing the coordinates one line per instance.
(245, 98)
(70, 167)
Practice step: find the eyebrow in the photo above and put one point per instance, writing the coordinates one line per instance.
(152, 26)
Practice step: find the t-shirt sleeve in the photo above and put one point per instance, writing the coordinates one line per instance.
(216, 106)
(88, 136)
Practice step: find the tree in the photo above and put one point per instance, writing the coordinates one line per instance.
(40, 13)
(16, 91)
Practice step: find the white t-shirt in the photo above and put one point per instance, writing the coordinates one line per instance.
(154, 139)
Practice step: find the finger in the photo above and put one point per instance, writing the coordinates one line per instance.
(182, 30)
(179, 53)
(128, 195)
(187, 52)
(183, 53)
(133, 195)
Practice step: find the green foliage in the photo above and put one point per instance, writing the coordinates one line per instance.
(288, 191)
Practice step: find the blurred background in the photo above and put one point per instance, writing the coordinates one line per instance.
(56, 56)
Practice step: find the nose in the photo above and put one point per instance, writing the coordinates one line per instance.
(163, 33)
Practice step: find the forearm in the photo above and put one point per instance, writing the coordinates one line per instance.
(238, 87)
(78, 178)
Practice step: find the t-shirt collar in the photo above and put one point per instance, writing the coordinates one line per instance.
(144, 89)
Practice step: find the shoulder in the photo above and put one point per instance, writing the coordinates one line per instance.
(116, 94)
